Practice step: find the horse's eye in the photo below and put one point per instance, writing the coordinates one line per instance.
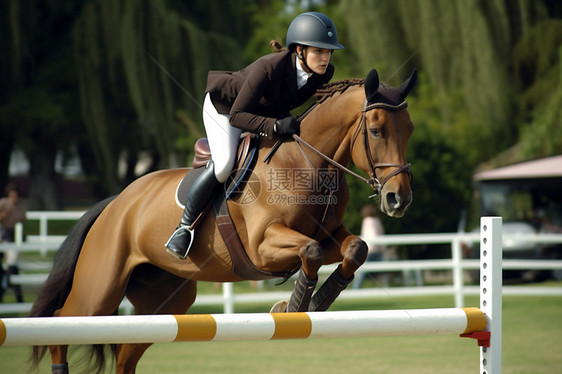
(376, 132)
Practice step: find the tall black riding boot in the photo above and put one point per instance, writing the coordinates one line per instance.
(197, 198)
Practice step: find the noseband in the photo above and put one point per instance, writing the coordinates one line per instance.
(374, 181)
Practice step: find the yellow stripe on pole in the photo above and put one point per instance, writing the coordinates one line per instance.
(475, 320)
(2, 331)
(291, 325)
(195, 327)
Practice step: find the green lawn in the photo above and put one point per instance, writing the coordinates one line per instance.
(532, 343)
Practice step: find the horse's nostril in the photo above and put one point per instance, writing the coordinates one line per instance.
(393, 200)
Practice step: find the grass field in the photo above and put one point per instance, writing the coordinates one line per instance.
(532, 343)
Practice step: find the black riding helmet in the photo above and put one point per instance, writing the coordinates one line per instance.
(313, 29)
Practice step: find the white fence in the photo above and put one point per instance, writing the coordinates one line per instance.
(44, 243)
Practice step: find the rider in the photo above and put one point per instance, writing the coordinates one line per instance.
(258, 99)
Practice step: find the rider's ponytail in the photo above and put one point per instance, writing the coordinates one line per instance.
(276, 46)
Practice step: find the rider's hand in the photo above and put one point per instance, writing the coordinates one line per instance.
(286, 126)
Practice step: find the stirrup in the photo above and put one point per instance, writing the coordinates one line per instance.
(178, 252)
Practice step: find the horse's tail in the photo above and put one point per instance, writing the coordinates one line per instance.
(56, 288)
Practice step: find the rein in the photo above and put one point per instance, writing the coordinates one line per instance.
(300, 142)
(373, 181)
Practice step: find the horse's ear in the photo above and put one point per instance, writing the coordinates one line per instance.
(407, 86)
(371, 85)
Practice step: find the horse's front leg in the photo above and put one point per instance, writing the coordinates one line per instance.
(284, 245)
(352, 252)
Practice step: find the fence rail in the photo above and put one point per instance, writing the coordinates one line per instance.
(45, 243)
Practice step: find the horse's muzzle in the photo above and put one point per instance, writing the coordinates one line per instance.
(395, 204)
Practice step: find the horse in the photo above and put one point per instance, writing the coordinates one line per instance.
(293, 224)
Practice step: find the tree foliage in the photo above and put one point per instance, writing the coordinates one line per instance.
(37, 107)
(538, 66)
(126, 53)
(490, 80)
(86, 73)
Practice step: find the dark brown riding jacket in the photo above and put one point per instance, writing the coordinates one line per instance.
(264, 91)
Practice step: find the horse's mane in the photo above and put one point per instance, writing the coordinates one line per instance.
(328, 90)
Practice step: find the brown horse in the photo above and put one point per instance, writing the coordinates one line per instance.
(117, 248)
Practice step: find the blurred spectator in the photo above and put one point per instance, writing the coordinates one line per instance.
(12, 211)
(371, 227)
(546, 225)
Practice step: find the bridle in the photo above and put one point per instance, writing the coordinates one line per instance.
(374, 182)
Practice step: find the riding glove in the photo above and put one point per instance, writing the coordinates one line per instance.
(286, 126)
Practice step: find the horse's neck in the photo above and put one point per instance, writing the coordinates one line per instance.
(329, 129)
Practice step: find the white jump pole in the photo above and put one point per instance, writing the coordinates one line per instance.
(242, 326)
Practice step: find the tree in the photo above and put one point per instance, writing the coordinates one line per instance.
(538, 66)
(465, 47)
(36, 102)
(128, 55)
(84, 75)
(491, 78)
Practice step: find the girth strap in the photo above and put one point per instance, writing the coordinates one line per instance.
(241, 263)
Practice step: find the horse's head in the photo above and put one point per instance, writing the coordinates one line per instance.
(380, 140)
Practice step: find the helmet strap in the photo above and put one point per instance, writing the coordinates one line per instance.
(303, 59)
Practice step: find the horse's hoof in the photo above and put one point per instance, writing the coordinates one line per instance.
(279, 307)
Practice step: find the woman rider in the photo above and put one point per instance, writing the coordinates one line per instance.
(258, 99)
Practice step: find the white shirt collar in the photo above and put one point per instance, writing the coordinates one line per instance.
(302, 76)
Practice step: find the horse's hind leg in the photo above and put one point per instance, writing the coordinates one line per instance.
(153, 291)
(59, 363)
(59, 355)
(99, 283)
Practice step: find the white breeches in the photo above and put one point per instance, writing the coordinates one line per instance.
(223, 139)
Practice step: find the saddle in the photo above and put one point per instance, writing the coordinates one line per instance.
(234, 190)
(246, 151)
(203, 152)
